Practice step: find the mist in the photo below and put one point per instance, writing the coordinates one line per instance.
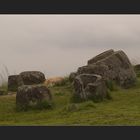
(58, 44)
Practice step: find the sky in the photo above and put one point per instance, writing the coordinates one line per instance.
(58, 44)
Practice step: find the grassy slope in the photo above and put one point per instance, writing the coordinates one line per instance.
(124, 109)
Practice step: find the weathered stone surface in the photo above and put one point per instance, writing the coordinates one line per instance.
(94, 69)
(29, 95)
(32, 77)
(72, 76)
(13, 82)
(115, 67)
(101, 56)
(89, 86)
(25, 78)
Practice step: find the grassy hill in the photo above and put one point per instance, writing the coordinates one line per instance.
(123, 109)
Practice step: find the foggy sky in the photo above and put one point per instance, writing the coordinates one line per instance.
(59, 44)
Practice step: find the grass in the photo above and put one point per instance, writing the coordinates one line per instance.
(4, 89)
(123, 109)
(37, 105)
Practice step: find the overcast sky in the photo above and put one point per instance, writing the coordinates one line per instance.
(59, 44)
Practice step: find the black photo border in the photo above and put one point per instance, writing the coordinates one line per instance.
(69, 7)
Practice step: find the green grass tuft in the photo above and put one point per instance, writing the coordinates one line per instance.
(75, 99)
(4, 89)
(37, 105)
(111, 85)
